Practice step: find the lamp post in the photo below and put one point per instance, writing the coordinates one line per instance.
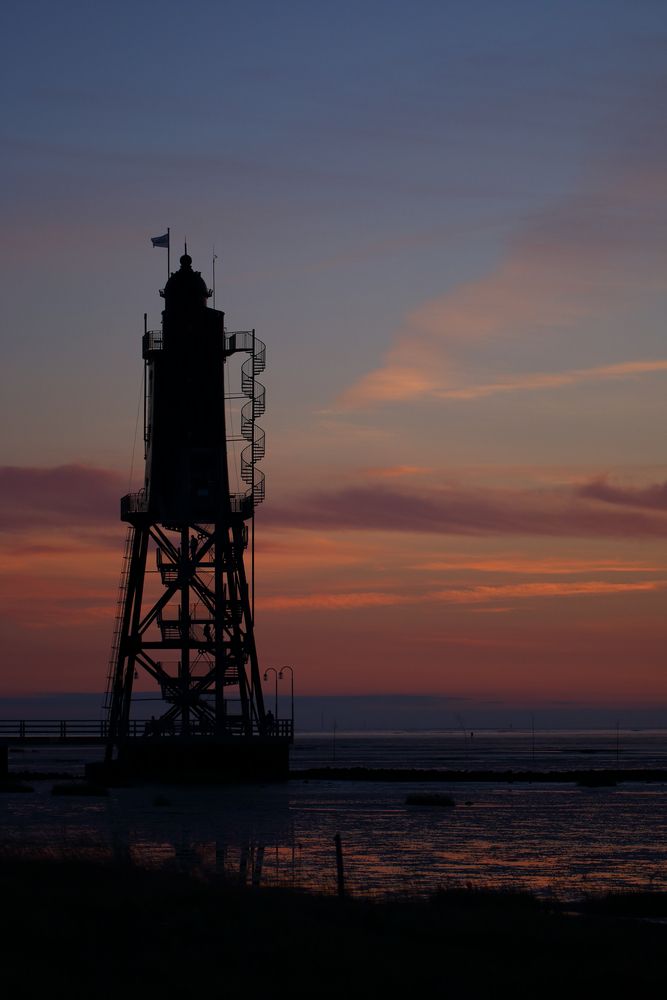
(291, 676)
(266, 677)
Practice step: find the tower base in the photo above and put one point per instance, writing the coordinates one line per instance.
(195, 761)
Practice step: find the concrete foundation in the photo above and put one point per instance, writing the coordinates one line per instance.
(200, 760)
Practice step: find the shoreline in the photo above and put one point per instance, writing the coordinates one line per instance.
(587, 776)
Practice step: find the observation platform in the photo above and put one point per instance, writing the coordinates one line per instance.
(135, 507)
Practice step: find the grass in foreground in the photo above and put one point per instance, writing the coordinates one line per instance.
(76, 929)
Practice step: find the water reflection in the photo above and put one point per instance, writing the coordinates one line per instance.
(550, 839)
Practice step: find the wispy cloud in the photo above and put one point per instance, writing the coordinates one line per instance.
(554, 380)
(314, 551)
(536, 567)
(460, 511)
(653, 497)
(84, 502)
(333, 601)
(581, 258)
(581, 588)
(395, 471)
(65, 495)
(476, 595)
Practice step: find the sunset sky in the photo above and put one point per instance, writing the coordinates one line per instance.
(448, 221)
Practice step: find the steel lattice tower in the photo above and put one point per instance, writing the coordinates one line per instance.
(189, 626)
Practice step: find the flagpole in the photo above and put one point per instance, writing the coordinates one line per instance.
(214, 277)
(168, 253)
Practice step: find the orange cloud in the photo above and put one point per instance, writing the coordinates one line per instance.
(313, 551)
(535, 567)
(553, 380)
(481, 594)
(333, 602)
(395, 471)
(581, 258)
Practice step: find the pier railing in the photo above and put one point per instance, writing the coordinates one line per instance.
(95, 730)
(59, 729)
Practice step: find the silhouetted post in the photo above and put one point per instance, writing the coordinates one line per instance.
(266, 677)
(340, 874)
(258, 863)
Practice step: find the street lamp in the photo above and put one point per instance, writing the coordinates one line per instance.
(291, 675)
(266, 677)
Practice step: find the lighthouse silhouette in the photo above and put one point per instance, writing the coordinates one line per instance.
(185, 617)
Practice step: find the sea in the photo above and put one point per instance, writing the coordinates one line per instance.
(555, 840)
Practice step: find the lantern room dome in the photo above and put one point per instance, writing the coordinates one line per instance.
(185, 288)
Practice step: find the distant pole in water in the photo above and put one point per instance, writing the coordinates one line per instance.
(459, 719)
(334, 740)
(280, 677)
(340, 874)
(618, 737)
(532, 729)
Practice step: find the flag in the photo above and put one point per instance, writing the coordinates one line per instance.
(161, 241)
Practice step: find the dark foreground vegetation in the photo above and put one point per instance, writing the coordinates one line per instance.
(81, 930)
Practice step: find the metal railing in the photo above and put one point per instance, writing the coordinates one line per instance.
(78, 730)
(238, 340)
(134, 503)
(137, 503)
(241, 503)
(151, 342)
(55, 729)
(235, 341)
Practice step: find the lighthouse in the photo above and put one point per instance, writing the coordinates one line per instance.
(185, 612)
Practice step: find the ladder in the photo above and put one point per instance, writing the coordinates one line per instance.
(118, 626)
